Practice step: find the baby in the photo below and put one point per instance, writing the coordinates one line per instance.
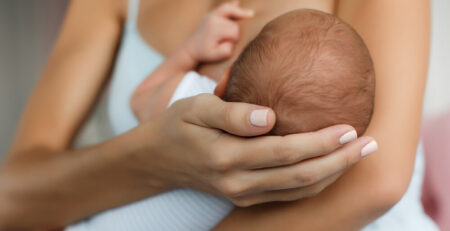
(310, 67)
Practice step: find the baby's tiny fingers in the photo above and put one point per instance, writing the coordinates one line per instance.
(225, 49)
(233, 10)
(228, 30)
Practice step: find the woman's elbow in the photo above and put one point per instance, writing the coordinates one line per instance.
(9, 214)
(387, 192)
(16, 217)
(19, 213)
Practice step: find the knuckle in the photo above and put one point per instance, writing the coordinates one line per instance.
(179, 110)
(347, 160)
(196, 101)
(325, 141)
(285, 154)
(200, 101)
(231, 188)
(322, 143)
(220, 161)
(306, 177)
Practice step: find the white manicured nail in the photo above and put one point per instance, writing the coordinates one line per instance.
(348, 137)
(369, 148)
(259, 117)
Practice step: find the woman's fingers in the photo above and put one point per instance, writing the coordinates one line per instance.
(285, 194)
(237, 166)
(307, 172)
(273, 151)
(239, 119)
(241, 182)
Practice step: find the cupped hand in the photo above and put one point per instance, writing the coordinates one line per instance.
(217, 33)
(214, 146)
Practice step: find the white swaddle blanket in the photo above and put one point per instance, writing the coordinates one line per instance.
(185, 209)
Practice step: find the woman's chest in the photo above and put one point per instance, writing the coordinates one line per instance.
(166, 24)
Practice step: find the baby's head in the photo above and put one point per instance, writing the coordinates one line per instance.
(313, 69)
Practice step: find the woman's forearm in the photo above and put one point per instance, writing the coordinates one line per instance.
(397, 35)
(40, 188)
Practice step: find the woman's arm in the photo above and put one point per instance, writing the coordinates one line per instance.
(397, 35)
(39, 168)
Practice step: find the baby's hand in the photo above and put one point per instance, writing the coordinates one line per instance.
(217, 33)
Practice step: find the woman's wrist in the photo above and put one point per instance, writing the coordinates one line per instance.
(141, 146)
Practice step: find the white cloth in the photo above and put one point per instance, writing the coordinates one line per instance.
(193, 84)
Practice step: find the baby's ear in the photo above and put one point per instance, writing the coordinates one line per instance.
(222, 85)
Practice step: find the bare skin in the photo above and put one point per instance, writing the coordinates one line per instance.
(82, 60)
(44, 184)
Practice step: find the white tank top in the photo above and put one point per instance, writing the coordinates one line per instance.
(185, 209)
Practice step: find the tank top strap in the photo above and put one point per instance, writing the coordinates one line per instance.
(133, 13)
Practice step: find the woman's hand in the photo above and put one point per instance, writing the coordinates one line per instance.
(214, 38)
(189, 149)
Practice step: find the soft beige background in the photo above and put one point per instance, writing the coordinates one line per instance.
(28, 29)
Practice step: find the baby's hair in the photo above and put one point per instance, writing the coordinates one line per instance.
(312, 68)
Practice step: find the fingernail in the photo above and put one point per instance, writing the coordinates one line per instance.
(369, 148)
(348, 137)
(259, 117)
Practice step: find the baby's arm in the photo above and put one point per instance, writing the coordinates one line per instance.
(212, 41)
